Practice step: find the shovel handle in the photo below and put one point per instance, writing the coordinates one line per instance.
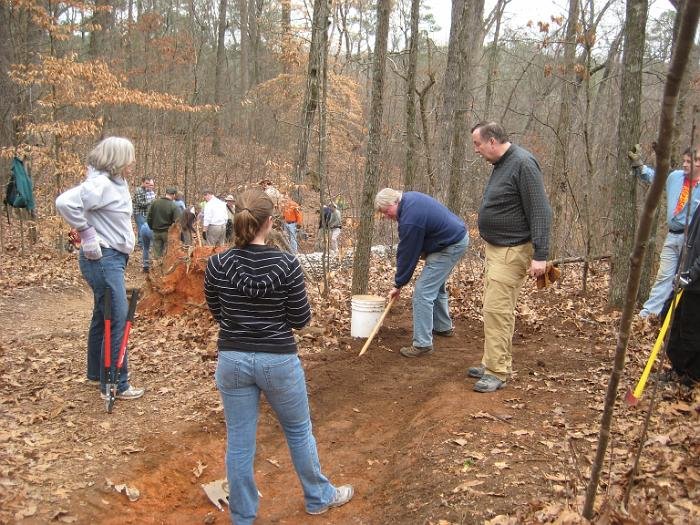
(657, 346)
(108, 330)
(377, 326)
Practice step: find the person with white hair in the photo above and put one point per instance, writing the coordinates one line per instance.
(428, 229)
(100, 209)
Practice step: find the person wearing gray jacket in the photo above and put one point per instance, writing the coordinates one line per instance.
(100, 209)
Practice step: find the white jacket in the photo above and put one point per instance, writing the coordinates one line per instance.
(104, 203)
(215, 213)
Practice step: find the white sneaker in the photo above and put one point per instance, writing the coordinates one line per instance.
(130, 393)
(342, 496)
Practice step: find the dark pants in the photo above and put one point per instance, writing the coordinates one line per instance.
(160, 243)
(684, 340)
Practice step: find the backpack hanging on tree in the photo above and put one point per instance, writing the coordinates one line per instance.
(19, 191)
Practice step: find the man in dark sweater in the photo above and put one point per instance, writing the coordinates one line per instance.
(162, 214)
(514, 220)
(426, 229)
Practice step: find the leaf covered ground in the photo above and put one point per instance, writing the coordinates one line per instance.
(417, 443)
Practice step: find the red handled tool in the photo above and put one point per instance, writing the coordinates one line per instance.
(116, 372)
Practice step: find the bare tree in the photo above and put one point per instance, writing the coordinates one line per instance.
(319, 42)
(469, 41)
(219, 76)
(623, 210)
(360, 274)
(409, 179)
(678, 64)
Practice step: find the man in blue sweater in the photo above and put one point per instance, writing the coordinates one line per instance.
(514, 221)
(426, 229)
(678, 189)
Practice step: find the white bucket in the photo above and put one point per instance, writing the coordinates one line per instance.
(366, 311)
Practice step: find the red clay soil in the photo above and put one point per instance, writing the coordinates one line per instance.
(383, 423)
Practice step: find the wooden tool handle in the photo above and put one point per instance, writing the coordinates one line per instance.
(377, 326)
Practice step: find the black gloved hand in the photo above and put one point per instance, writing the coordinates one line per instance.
(635, 156)
(684, 280)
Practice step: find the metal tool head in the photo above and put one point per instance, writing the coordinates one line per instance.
(111, 397)
(217, 492)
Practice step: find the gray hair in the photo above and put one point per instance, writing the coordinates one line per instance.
(491, 130)
(386, 198)
(112, 155)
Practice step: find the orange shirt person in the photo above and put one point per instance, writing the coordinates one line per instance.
(291, 211)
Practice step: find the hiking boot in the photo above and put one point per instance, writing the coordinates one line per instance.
(130, 393)
(476, 371)
(416, 351)
(488, 383)
(445, 333)
(342, 496)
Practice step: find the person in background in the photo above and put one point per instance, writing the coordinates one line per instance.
(180, 201)
(188, 220)
(214, 220)
(329, 224)
(146, 235)
(426, 229)
(293, 219)
(100, 209)
(257, 295)
(684, 338)
(678, 189)
(231, 208)
(162, 214)
(514, 221)
(143, 197)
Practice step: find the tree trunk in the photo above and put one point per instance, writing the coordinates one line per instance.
(319, 42)
(470, 39)
(219, 77)
(678, 64)
(99, 36)
(624, 211)
(409, 179)
(245, 47)
(560, 170)
(286, 7)
(360, 274)
(492, 72)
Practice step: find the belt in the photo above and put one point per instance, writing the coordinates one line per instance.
(676, 232)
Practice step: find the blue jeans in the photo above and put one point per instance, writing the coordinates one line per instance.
(146, 236)
(240, 377)
(431, 310)
(140, 220)
(292, 231)
(106, 274)
(663, 286)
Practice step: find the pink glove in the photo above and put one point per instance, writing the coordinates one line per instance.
(90, 244)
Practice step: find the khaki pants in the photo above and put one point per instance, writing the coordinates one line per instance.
(506, 269)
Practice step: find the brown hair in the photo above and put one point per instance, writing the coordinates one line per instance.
(253, 208)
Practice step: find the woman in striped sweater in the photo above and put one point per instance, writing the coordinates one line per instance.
(257, 294)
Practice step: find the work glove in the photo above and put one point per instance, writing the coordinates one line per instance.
(90, 244)
(684, 280)
(551, 274)
(635, 156)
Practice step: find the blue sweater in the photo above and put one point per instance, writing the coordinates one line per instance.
(674, 185)
(425, 226)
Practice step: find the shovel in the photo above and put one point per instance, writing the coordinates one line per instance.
(377, 326)
(114, 374)
(632, 398)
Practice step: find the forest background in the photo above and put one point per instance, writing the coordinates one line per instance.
(335, 99)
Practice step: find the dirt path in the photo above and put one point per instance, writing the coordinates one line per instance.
(418, 444)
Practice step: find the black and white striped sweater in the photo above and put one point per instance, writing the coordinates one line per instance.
(257, 294)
